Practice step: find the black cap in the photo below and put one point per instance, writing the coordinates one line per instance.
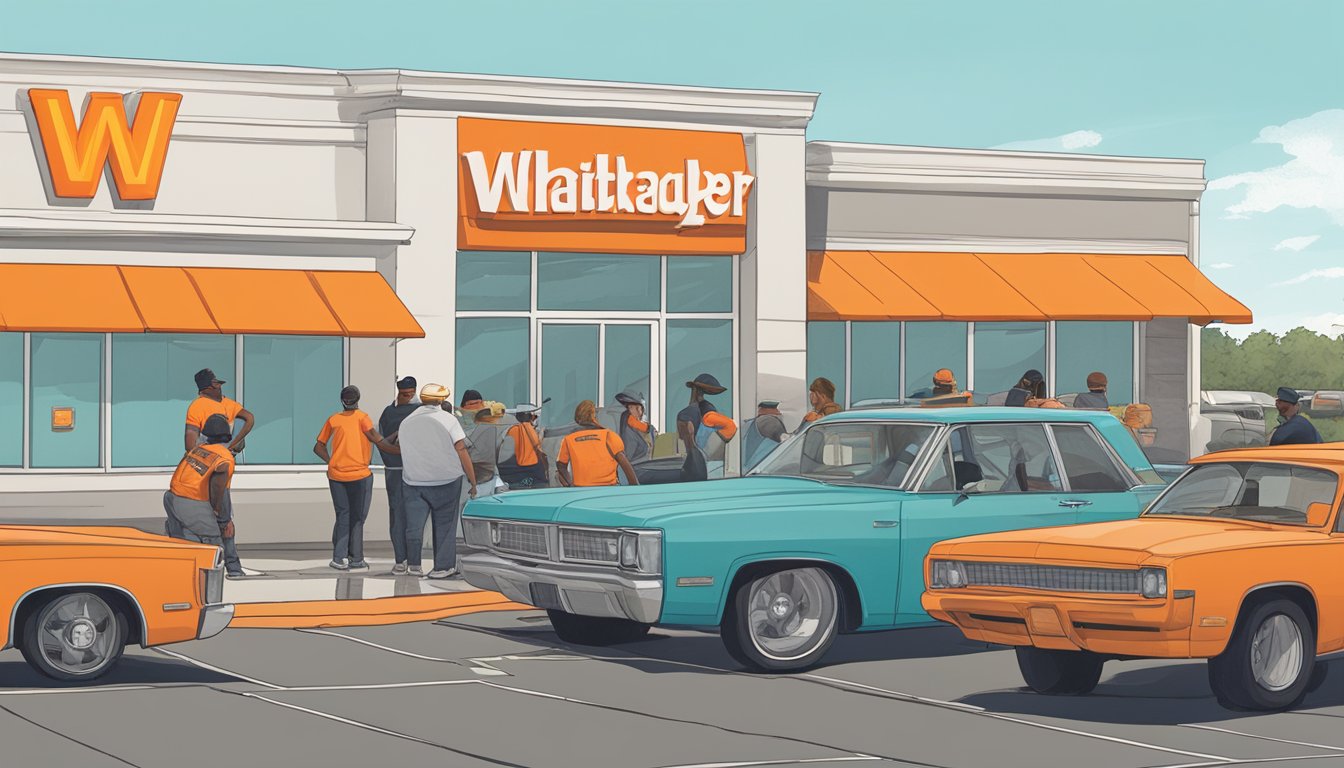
(217, 427)
(707, 383)
(350, 394)
(206, 377)
(1289, 396)
(1033, 376)
(629, 397)
(470, 395)
(406, 382)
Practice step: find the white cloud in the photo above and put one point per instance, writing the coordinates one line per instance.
(1220, 265)
(1069, 142)
(1329, 273)
(1314, 178)
(1296, 243)
(1327, 324)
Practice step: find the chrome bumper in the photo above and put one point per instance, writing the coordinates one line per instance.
(214, 619)
(584, 591)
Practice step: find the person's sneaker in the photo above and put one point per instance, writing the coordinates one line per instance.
(442, 574)
(359, 565)
(235, 575)
(341, 565)
(399, 569)
(415, 570)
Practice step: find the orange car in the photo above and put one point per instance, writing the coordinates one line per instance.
(75, 596)
(1238, 561)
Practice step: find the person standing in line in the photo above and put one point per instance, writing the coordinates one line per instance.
(591, 456)
(195, 497)
(522, 463)
(484, 439)
(1031, 385)
(434, 461)
(352, 438)
(821, 394)
(1294, 428)
(388, 424)
(210, 400)
(763, 434)
(637, 435)
(1095, 397)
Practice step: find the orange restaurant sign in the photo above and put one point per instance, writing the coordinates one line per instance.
(562, 187)
(75, 155)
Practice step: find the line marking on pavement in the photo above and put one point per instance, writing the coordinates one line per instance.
(68, 737)
(219, 670)
(376, 686)
(898, 694)
(40, 691)
(1249, 761)
(480, 669)
(1265, 738)
(750, 764)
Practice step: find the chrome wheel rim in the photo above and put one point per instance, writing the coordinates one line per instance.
(790, 613)
(76, 634)
(1276, 653)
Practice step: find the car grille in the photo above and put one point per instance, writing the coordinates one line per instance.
(1053, 578)
(594, 546)
(522, 538)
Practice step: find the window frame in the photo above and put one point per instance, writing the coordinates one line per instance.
(944, 442)
(1125, 472)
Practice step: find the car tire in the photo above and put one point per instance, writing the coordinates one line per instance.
(595, 630)
(1267, 665)
(74, 636)
(766, 625)
(1059, 672)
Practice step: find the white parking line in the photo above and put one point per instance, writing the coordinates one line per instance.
(1264, 738)
(219, 670)
(376, 686)
(371, 644)
(1248, 761)
(810, 760)
(897, 694)
(40, 691)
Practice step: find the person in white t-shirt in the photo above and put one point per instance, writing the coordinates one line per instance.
(434, 460)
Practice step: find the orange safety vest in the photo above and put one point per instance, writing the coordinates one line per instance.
(192, 478)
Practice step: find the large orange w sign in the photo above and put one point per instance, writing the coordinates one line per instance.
(76, 154)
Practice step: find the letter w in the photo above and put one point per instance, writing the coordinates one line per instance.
(76, 155)
(489, 190)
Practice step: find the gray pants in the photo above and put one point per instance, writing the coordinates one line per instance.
(396, 512)
(191, 519)
(351, 499)
(231, 562)
(437, 503)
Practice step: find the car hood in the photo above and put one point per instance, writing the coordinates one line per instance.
(1125, 542)
(654, 505)
(76, 536)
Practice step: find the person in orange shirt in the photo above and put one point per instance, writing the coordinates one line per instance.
(352, 438)
(637, 435)
(210, 400)
(593, 452)
(527, 467)
(195, 497)
(822, 396)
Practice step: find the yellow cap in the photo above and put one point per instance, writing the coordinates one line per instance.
(434, 393)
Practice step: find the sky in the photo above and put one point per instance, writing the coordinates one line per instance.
(1252, 88)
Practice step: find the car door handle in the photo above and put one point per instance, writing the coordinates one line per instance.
(886, 523)
(1075, 503)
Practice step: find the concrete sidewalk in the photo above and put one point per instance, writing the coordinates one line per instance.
(302, 576)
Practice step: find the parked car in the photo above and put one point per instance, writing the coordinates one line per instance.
(1326, 403)
(76, 596)
(827, 535)
(1236, 397)
(1237, 562)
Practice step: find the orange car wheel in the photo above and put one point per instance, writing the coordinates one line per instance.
(1059, 672)
(1268, 663)
(74, 636)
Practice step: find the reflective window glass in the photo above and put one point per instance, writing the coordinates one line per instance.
(1005, 458)
(1003, 352)
(627, 361)
(1084, 347)
(1086, 461)
(67, 385)
(11, 399)
(568, 369)
(695, 347)
(930, 346)
(493, 356)
(875, 361)
(494, 280)
(865, 453)
(826, 355)
(291, 384)
(153, 385)
(599, 282)
(699, 284)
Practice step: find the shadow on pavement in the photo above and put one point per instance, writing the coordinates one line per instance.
(131, 670)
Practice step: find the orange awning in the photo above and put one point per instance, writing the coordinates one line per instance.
(989, 287)
(90, 298)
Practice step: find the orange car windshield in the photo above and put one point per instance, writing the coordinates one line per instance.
(1250, 491)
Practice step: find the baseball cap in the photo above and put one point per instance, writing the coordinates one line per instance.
(406, 382)
(1096, 380)
(944, 376)
(1288, 395)
(350, 394)
(469, 396)
(217, 426)
(205, 377)
(434, 393)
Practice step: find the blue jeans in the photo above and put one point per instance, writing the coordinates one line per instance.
(351, 498)
(437, 503)
(396, 512)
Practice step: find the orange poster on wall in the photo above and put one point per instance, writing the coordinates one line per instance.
(599, 188)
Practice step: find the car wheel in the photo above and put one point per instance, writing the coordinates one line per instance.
(74, 636)
(782, 621)
(1059, 672)
(595, 630)
(1267, 664)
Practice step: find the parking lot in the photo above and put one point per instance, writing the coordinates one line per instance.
(501, 689)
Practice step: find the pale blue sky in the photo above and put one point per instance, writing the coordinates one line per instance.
(1182, 78)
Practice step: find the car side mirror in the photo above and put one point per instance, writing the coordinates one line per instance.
(1318, 514)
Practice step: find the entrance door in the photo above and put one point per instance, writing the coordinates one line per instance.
(595, 361)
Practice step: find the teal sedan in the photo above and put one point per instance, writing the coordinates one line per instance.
(827, 535)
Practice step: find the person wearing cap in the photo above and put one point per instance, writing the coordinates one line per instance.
(434, 461)
(388, 424)
(522, 462)
(1030, 386)
(944, 393)
(821, 394)
(1294, 428)
(351, 436)
(762, 434)
(698, 424)
(590, 456)
(636, 434)
(466, 410)
(195, 497)
(1095, 397)
(210, 400)
(485, 436)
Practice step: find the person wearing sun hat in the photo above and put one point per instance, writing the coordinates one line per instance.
(1294, 428)
(699, 423)
(485, 436)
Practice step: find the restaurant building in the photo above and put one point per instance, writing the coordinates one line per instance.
(296, 230)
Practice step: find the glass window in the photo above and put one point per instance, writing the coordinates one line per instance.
(627, 361)
(850, 453)
(1087, 462)
(875, 361)
(928, 347)
(1003, 352)
(11, 399)
(695, 347)
(67, 385)
(599, 282)
(826, 355)
(699, 284)
(494, 280)
(1084, 347)
(568, 369)
(1271, 493)
(494, 356)
(941, 474)
(291, 384)
(1004, 458)
(152, 386)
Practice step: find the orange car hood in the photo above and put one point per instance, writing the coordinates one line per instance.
(1125, 542)
(55, 535)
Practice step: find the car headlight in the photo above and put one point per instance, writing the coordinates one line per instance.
(947, 574)
(642, 551)
(1153, 582)
(476, 532)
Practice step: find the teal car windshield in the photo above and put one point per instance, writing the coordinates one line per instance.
(1266, 493)
(869, 453)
